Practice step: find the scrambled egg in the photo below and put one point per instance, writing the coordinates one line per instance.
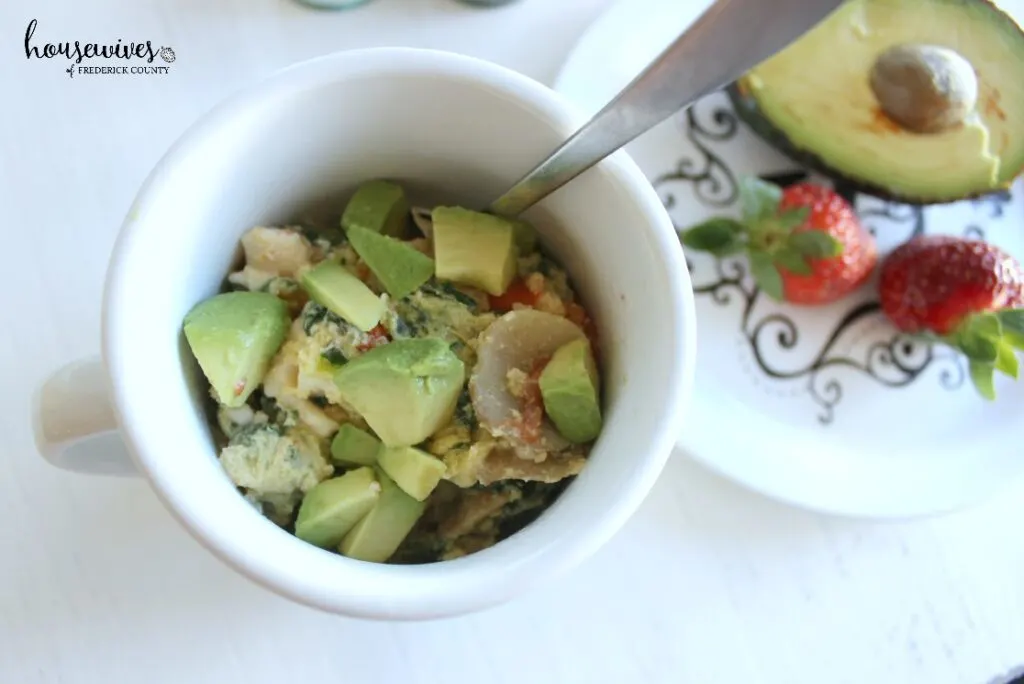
(275, 465)
(278, 445)
(271, 252)
(444, 312)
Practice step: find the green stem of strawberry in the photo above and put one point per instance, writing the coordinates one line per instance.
(766, 234)
(990, 341)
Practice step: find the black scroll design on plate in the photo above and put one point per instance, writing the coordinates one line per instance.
(892, 359)
(709, 177)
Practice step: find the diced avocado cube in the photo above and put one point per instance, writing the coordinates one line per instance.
(569, 389)
(406, 390)
(352, 446)
(233, 336)
(377, 205)
(378, 535)
(331, 286)
(400, 267)
(474, 248)
(415, 471)
(525, 236)
(334, 506)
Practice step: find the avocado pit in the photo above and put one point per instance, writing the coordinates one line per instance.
(924, 88)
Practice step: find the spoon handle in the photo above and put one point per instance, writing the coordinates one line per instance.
(731, 37)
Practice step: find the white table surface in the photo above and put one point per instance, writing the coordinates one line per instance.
(707, 583)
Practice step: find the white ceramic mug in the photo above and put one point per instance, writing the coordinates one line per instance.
(453, 129)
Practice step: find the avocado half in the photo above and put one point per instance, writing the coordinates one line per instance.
(813, 101)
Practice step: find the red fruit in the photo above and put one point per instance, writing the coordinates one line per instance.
(805, 243)
(933, 282)
(831, 278)
(968, 293)
(516, 293)
(375, 338)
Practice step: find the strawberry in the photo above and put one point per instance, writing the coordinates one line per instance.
(968, 294)
(804, 243)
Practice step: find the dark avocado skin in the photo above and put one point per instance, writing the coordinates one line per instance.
(750, 113)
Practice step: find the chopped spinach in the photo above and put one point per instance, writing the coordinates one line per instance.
(413, 319)
(334, 356)
(444, 290)
(314, 314)
(399, 328)
(245, 434)
(464, 413)
(276, 414)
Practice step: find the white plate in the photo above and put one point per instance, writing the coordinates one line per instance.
(825, 408)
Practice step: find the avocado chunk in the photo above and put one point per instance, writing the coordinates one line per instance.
(334, 506)
(379, 206)
(923, 107)
(330, 285)
(400, 267)
(569, 389)
(406, 390)
(352, 446)
(473, 248)
(378, 535)
(415, 471)
(233, 336)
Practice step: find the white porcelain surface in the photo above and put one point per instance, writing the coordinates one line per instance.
(297, 144)
(828, 407)
(709, 582)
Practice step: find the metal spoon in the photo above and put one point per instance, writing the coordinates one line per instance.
(731, 37)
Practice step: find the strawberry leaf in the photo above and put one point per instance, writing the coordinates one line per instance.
(1012, 319)
(766, 275)
(759, 199)
(792, 261)
(791, 219)
(987, 325)
(1014, 339)
(719, 236)
(982, 375)
(814, 244)
(1006, 361)
(978, 347)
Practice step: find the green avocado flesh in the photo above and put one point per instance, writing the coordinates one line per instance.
(377, 205)
(477, 249)
(813, 101)
(406, 390)
(378, 535)
(233, 336)
(569, 389)
(352, 446)
(415, 471)
(400, 267)
(333, 287)
(333, 507)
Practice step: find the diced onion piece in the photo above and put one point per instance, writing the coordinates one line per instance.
(519, 339)
(421, 216)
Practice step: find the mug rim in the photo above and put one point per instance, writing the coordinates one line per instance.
(535, 564)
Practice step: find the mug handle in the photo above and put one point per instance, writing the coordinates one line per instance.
(75, 424)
